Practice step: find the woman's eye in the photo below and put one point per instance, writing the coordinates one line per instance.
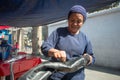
(72, 21)
(79, 21)
(76, 21)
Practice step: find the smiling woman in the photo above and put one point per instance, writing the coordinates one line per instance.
(69, 42)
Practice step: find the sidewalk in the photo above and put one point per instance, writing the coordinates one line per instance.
(101, 73)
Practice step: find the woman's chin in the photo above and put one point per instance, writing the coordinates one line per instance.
(73, 32)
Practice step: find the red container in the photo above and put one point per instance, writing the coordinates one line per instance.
(19, 66)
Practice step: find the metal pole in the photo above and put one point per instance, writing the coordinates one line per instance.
(11, 71)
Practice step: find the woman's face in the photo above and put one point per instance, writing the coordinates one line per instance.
(75, 21)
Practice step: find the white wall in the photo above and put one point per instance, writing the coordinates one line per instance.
(52, 27)
(103, 29)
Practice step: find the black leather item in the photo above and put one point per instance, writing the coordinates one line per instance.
(45, 69)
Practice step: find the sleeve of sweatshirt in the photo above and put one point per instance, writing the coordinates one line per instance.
(89, 50)
(49, 43)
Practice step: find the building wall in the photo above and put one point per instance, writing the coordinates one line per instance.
(52, 27)
(103, 29)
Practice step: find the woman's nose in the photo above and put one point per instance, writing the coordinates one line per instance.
(74, 23)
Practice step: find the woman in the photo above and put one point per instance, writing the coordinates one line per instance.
(69, 42)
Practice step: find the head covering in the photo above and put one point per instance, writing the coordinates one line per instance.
(79, 9)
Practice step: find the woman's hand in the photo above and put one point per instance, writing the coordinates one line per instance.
(58, 54)
(89, 57)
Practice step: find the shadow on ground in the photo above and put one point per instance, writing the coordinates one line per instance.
(104, 69)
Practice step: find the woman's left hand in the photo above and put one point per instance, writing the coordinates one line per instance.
(89, 57)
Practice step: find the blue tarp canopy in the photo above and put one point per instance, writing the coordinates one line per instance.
(21, 13)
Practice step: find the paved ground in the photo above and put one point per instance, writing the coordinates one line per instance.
(101, 73)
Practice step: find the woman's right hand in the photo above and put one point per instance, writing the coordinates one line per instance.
(58, 54)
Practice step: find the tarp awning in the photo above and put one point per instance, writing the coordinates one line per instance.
(40, 12)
